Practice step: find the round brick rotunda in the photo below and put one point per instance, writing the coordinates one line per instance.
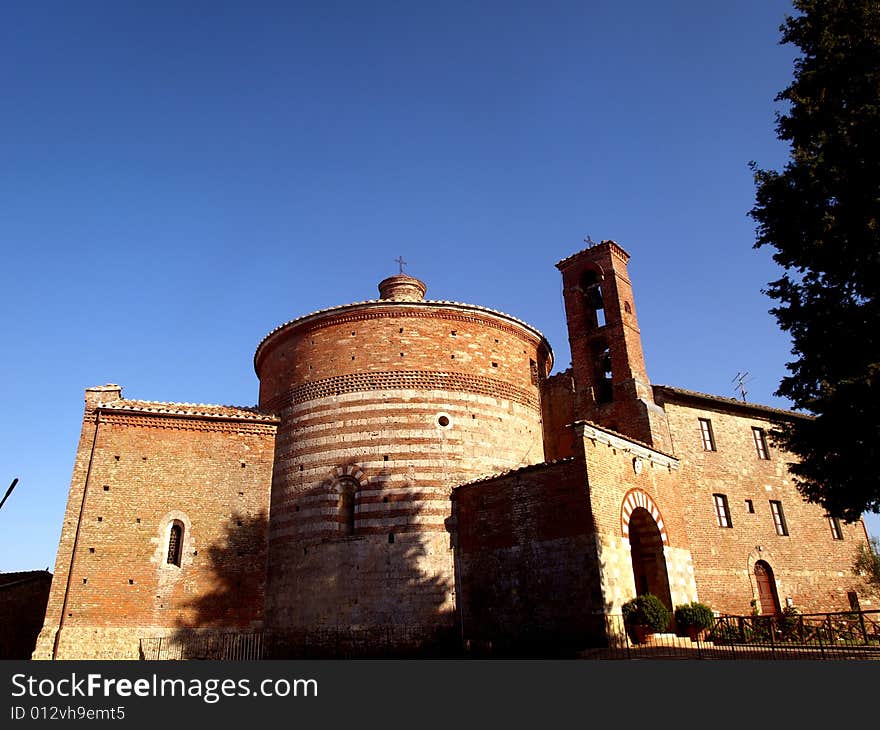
(385, 406)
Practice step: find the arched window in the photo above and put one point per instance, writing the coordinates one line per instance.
(594, 305)
(175, 543)
(347, 490)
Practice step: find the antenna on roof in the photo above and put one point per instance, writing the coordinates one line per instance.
(9, 491)
(740, 381)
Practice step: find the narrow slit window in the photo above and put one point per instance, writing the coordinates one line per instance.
(346, 507)
(604, 387)
(836, 528)
(708, 438)
(175, 543)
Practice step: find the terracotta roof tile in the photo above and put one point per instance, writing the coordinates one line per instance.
(733, 402)
(10, 579)
(517, 470)
(437, 303)
(202, 410)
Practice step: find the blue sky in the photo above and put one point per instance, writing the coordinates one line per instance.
(178, 178)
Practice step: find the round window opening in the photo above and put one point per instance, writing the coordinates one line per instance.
(444, 421)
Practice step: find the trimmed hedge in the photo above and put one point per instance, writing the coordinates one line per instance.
(695, 614)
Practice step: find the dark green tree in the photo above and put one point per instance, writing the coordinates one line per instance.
(821, 214)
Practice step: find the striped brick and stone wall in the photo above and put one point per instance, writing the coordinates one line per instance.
(385, 406)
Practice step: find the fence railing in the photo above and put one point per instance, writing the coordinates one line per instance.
(234, 647)
(389, 641)
(843, 635)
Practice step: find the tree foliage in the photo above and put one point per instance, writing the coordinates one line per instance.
(821, 214)
(867, 563)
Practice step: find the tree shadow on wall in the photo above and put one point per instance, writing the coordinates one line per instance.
(224, 620)
(517, 611)
(375, 590)
(366, 593)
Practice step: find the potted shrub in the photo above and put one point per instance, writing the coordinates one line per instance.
(645, 615)
(695, 619)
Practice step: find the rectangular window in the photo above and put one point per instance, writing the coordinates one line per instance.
(854, 601)
(722, 512)
(760, 437)
(706, 434)
(750, 507)
(778, 517)
(836, 528)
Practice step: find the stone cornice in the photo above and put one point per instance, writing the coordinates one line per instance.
(601, 435)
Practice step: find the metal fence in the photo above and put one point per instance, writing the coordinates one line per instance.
(839, 636)
(390, 641)
(225, 647)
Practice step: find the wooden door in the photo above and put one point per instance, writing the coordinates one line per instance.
(769, 600)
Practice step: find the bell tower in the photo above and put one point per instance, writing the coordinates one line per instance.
(611, 383)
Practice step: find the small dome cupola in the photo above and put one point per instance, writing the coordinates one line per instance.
(402, 288)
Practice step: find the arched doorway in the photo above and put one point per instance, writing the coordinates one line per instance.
(648, 562)
(768, 599)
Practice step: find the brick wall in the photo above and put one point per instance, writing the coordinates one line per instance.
(625, 402)
(136, 474)
(526, 558)
(557, 415)
(810, 566)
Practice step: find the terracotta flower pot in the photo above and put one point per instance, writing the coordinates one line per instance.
(640, 633)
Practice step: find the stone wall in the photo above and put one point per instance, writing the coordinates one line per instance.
(624, 475)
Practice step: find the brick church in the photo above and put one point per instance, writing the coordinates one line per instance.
(413, 471)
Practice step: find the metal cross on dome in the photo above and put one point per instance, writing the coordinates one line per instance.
(400, 262)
